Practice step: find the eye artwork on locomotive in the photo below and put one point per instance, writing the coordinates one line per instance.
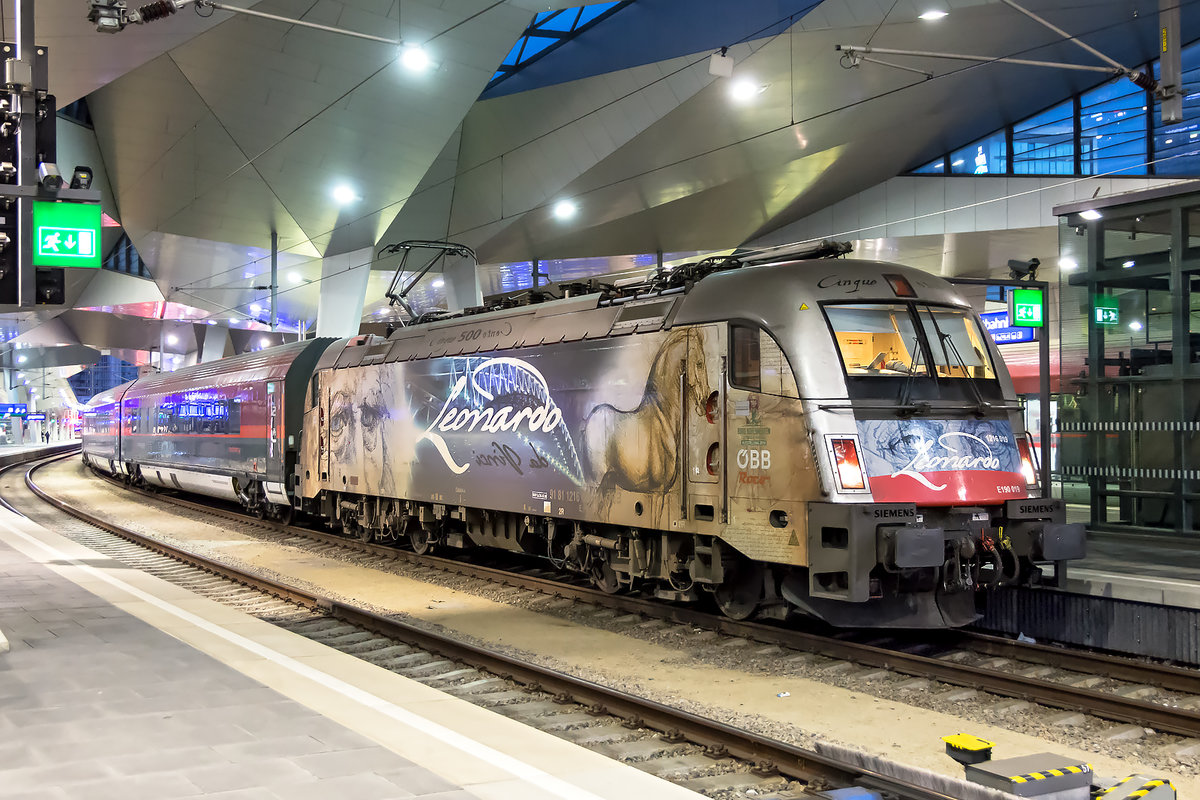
(941, 462)
(524, 431)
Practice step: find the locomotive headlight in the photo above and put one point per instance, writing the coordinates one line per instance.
(849, 469)
(1028, 468)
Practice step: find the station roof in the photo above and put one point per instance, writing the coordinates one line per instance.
(213, 131)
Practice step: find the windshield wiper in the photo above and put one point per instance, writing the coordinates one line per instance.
(945, 339)
(906, 388)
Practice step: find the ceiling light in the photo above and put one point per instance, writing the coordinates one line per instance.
(744, 89)
(1091, 213)
(958, 163)
(264, 342)
(565, 209)
(1135, 325)
(172, 339)
(1129, 264)
(932, 13)
(414, 58)
(438, 283)
(1067, 263)
(343, 194)
(294, 277)
(21, 360)
(255, 309)
(212, 322)
(233, 321)
(20, 374)
(1169, 141)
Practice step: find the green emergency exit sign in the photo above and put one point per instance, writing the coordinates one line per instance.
(1107, 311)
(66, 234)
(1025, 308)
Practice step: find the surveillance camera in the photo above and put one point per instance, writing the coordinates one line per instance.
(49, 177)
(82, 178)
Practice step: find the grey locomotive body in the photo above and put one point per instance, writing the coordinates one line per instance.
(835, 437)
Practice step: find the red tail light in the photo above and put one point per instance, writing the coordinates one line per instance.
(1028, 467)
(712, 461)
(849, 470)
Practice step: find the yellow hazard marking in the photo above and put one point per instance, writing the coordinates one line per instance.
(1141, 791)
(965, 741)
(793, 541)
(1050, 773)
(804, 306)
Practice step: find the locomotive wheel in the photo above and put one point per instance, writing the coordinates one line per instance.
(286, 513)
(740, 593)
(365, 534)
(420, 539)
(605, 578)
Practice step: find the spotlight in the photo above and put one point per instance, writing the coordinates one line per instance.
(49, 177)
(81, 178)
(744, 89)
(1135, 325)
(264, 342)
(438, 283)
(932, 14)
(565, 209)
(414, 58)
(172, 339)
(294, 277)
(255, 309)
(343, 194)
(1067, 263)
(1090, 214)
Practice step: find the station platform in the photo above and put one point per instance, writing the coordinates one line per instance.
(1141, 568)
(117, 684)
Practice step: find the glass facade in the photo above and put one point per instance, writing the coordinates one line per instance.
(1044, 144)
(988, 156)
(1129, 409)
(1112, 129)
(100, 377)
(124, 258)
(551, 29)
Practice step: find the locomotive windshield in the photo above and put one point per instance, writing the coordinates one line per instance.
(890, 339)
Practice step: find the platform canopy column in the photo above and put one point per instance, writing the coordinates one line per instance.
(343, 288)
(462, 285)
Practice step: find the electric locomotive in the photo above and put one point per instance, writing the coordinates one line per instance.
(838, 438)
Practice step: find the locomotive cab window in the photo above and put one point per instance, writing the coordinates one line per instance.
(745, 358)
(877, 339)
(956, 343)
(758, 363)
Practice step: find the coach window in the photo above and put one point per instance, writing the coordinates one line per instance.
(746, 372)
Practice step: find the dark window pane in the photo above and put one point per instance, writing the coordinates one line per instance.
(1113, 130)
(988, 156)
(935, 167)
(1044, 144)
(746, 361)
(1177, 145)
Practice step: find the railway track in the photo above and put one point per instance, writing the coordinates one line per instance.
(702, 754)
(1161, 697)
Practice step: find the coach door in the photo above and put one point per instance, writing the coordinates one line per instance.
(703, 419)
